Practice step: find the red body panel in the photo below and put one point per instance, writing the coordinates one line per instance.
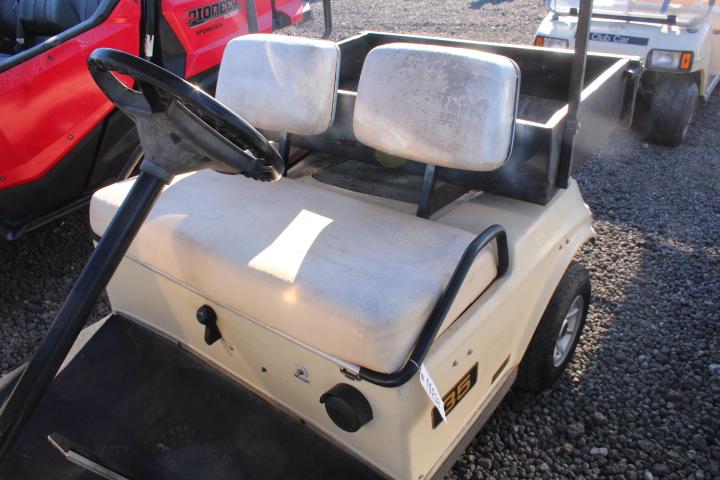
(292, 8)
(203, 30)
(50, 102)
(205, 26)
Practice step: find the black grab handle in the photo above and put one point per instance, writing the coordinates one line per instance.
(437, 317)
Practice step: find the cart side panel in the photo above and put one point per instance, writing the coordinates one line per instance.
(603, 108)
(528, 174)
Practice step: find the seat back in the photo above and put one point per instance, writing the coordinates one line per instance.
(280, 83)
(50, 17)
(445, 106)
(8, 19)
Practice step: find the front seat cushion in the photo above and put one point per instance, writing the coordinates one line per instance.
(349, 278)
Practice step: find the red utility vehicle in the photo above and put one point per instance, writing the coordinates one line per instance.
(60, 137)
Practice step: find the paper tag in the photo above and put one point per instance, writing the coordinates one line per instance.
(432, 391)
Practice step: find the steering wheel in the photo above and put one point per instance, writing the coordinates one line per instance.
(181, 127)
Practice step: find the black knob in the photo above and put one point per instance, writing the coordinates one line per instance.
(207, 316)
(347, 407)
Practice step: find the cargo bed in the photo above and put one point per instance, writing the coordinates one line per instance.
(533, 172)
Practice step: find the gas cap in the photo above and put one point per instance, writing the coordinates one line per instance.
(347, 407)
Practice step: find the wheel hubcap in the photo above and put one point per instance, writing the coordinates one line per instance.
(568, 331)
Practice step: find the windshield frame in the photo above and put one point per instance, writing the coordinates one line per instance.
(646, 18)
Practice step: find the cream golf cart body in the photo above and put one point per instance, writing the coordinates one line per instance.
(678, 42)
(416, 258)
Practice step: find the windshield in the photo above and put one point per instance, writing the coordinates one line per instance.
(686, 12)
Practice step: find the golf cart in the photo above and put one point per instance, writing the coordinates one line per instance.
(395, 254)
(60, 136)
(679, 42)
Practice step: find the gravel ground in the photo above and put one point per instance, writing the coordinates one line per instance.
(641, 399)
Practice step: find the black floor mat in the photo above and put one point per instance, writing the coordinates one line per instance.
(137, 401)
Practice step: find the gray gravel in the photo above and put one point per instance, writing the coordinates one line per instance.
(36, 273)
(507, 21)
(641, 399)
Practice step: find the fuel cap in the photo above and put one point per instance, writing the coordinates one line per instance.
(347, 407)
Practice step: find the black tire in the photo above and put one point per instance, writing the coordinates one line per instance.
(538, 370)
(671, 110)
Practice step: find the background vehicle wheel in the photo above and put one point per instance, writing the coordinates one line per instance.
(557, 335)
(671, 110)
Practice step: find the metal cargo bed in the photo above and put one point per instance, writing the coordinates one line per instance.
(535, 170)
(139, 404)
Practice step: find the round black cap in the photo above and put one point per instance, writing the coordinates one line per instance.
(347, 407)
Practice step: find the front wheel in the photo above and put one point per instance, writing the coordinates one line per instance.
(557, 335)
(671, 110)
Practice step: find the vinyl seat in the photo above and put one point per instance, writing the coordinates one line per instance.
(354, 280)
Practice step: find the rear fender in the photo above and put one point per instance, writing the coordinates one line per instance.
(567, 249)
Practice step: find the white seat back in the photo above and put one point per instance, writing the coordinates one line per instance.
(447, 106)
(280, 83)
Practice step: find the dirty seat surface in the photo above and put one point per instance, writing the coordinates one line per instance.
(352, 279)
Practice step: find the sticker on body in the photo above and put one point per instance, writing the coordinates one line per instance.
(432, 392)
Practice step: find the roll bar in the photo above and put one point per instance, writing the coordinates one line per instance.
(577, 80)
(327, 19)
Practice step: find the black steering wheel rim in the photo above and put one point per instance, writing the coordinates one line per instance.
(161, 87)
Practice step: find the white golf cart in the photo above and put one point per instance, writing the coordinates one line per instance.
(417, 221)
(678, 40)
